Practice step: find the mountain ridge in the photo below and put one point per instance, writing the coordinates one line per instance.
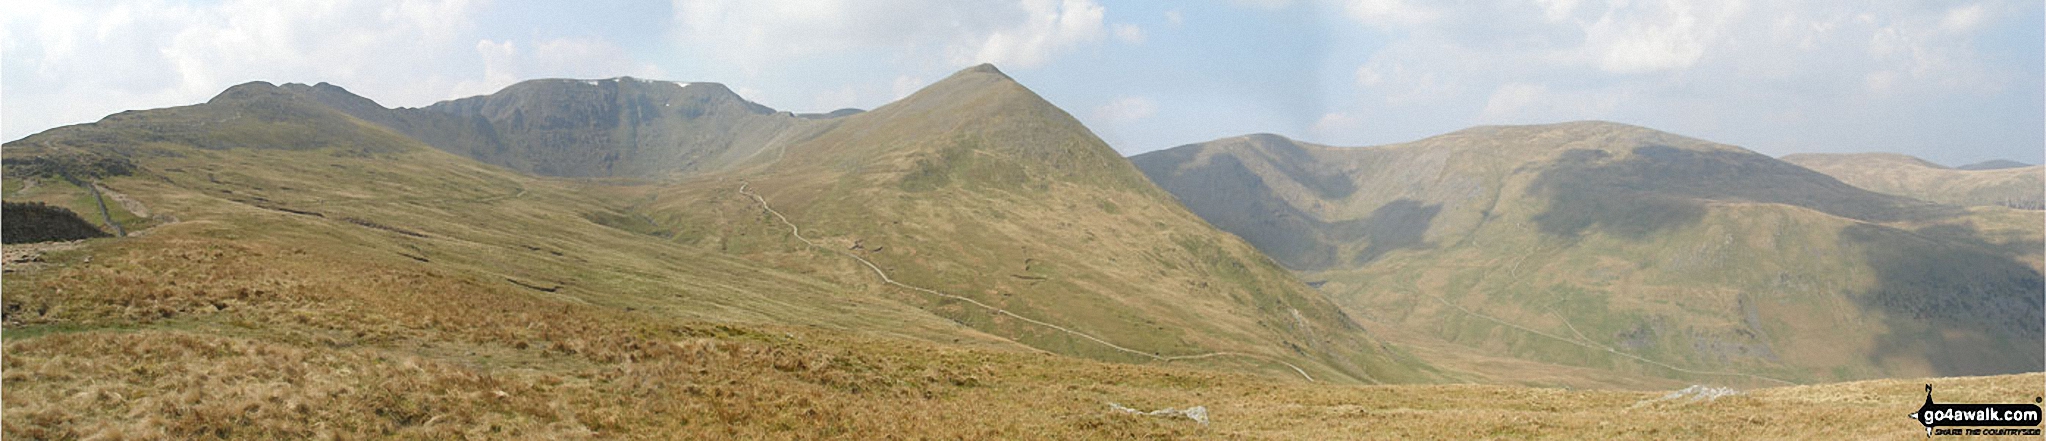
(1993, 164)
(619, 127)
(1485, 235)
(2021, 186)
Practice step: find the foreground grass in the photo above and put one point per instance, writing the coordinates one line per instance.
(178, 335)
(200, 385)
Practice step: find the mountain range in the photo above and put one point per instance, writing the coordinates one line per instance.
(1618, 247)
(2006, 183)
(569, 258)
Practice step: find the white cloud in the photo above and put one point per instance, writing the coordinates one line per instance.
(1527, 103)
(505, 63)
(1263, 4)
(1512, 99)
(840, 98)
(1129, 33)
(1334, 124)
(1126, 109)
(1052, 27)
(1557, 10)
(1389, 12)
(1965, 18)
(1880, 81)
(765, 35)
(905, 85)
(1659, 36)
(1175, 17)
(1690, 62)
(498, 70)
(746, 92)
(1120, 118)
(1367, 77)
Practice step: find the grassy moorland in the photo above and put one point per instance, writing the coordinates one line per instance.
(1623, 249)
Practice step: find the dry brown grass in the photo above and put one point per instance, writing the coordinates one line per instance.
(344, 348)
(180, 385)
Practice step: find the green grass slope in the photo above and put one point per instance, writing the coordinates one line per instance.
(978, 188)
(1616, 247)
(2012, 185)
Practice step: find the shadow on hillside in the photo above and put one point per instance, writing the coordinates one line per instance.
(1397, 225)
(1300, 166)
(1658, 188)
(1227, 194)
(1963, 304)
(1588, 191)
(36, 222)
(1230, 196)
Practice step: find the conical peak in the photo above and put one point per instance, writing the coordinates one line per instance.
(983, 68)
(981, 74)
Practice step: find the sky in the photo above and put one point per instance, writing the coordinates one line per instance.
(1954, 82)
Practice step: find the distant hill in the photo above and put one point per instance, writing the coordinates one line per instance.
(1988, 183)
(256, 115)
(1994, 164)
(618, 127)
(1619, 247)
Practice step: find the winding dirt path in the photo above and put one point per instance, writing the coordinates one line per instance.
(798, 233)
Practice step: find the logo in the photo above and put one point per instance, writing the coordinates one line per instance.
(1941, 419)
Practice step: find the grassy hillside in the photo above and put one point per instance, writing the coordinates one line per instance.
(2006, 184)
(1615, 247)
(977, 188)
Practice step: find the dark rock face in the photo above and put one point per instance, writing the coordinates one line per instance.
(35, 222)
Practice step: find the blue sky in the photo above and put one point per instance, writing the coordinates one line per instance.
(1950, 81)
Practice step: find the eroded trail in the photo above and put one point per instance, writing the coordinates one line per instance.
(797, 232)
